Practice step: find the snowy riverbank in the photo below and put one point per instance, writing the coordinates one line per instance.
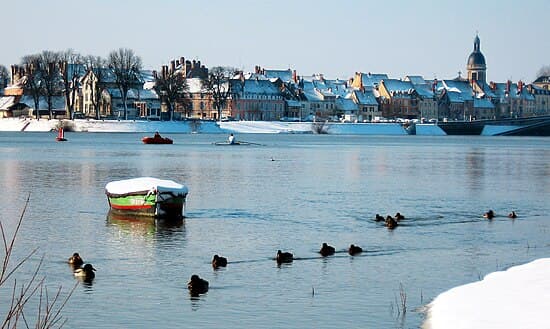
(255, 127)
(516, 298)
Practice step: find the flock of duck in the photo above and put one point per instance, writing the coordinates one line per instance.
(197, 285)
(389, 221)
(393, 222)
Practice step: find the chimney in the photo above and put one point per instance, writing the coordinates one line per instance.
(154, 74)
(508, 83)
(193, 64)
(294, 76)
(520, 86)
(172, 66)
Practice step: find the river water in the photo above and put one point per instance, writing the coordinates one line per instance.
(292, 192)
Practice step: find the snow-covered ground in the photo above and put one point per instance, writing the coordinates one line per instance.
(255, 127)
(516, 298)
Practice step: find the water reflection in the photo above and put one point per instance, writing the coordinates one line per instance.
(146, 226)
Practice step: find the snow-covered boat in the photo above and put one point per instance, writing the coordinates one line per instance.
(147, 196)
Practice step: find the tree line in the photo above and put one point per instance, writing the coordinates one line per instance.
(50, 74)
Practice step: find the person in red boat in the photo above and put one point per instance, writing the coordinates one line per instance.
(157, 135)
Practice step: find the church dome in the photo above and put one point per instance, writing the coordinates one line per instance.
(476, 58)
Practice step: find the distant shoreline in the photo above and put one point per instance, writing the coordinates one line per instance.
(197, 126)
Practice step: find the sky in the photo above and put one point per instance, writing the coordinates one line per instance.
(335, 38)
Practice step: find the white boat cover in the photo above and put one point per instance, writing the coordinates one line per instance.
(144, 184)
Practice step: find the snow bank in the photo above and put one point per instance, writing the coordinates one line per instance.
(516, 298)
(192, 126)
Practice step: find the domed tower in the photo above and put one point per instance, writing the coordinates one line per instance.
(476, 64)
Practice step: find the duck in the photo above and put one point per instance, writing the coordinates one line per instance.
(219, 261)
(284, 257)
(196, 285)
(326, 250)
(512, 214)
(75, 260)
(86, 272)
(354, 250)
(399, 217)
(391, 223)
(489, 214)
(379, 218)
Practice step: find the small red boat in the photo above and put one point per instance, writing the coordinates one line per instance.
(60, 135)
(157, 139)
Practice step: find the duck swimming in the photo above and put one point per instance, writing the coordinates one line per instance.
(379, 218)
(75, 260)
(326, 250)
(284, 257)
(398, 216)
(218, 261)
(354, 250)
(86, 272)
(197, 285)
(512, 214)
(489, 214)
(391, 223)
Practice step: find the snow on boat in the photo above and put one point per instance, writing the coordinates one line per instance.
(157, 139)
(147, 196)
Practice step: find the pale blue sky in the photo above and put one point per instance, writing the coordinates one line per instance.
(337, 38)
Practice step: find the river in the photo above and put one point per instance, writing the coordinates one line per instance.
(291, 192)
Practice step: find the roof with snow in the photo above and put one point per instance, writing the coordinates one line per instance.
(513, 92)
(195, 85)
(372, 79)
(254, 86)
(458, 91)
(415, 79)
(365, 97)
(134, 94)
(424, 90)
(6, 102)
(58, 102)
(284, 75)
(483, 103)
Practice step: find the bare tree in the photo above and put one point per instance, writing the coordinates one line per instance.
(71, 69)
(96, 65)
(543, 71)
(171, 86)
(218, 85)
(125, 65)
(51, 77)
(4, 76)
(49, 308)
(33, 80)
